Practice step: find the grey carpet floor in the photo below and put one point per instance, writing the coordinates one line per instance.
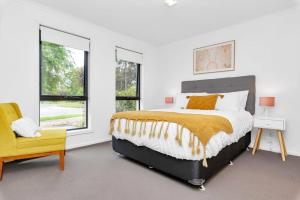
(96, 172)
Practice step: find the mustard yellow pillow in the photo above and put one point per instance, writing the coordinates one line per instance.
(203, 102)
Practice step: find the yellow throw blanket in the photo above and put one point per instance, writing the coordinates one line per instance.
(200, 126)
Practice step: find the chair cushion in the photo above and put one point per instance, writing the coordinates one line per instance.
(51, 140)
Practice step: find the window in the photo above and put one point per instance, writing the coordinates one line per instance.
(128, 80)
(63, 82)
(127, 86)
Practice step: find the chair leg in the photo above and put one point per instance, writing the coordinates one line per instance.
(62, 160)
(1, 168)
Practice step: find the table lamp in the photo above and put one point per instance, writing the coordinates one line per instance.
(266, 102)
(169, 100)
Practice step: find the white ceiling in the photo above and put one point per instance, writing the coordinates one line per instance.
(153, 22)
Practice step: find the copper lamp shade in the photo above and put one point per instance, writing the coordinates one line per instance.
(169, 100)
(267, 101)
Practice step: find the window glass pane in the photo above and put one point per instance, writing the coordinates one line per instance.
(62, 70)
(63, 114)
(126, 105)
(126, 79)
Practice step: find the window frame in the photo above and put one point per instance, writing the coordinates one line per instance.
(138, 88)
(65, 98)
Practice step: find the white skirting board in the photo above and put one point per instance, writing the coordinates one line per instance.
(90, 138)
(274, 149)
(86, 139)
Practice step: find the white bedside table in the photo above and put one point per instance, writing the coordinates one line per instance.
(277, 124)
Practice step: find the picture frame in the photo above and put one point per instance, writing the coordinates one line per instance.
(218, 57)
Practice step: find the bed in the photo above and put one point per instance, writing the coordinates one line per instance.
(188, 169)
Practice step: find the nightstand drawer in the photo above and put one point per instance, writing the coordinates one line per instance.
(269, 124)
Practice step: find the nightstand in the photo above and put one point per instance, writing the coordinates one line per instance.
(277, 124)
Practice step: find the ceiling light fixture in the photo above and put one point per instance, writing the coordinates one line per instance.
(171, 3)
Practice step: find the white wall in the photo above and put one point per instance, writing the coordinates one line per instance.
(268, 47)
(19, 64)
(2, 4)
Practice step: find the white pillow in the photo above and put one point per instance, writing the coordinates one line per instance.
(181, 99)
(243, 99)
(233, 101)
(25, 127)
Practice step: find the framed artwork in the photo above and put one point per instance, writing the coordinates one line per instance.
(215, 58)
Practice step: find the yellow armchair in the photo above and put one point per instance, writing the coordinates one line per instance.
(51, 142)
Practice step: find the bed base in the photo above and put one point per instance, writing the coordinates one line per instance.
(189, 171)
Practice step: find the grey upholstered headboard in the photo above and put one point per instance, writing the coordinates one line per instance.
(224, 85)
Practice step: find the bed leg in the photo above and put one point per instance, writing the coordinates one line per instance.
(197, 182)
(120, 155)
(202, 188)
(230, 163)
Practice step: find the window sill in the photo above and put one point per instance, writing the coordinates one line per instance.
(79, 132)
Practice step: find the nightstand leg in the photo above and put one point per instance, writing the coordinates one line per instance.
(257, 141)
(258, 144)
(282, 145)
(283, 142)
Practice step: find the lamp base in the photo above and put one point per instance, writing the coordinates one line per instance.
(266, 112)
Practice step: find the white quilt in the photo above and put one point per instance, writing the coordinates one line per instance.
(241, 121)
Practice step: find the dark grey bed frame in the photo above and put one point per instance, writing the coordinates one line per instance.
(192, 171)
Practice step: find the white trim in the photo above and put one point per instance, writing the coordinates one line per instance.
(79, 132)
(264, 148)
(294, 153)
(84, 144)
